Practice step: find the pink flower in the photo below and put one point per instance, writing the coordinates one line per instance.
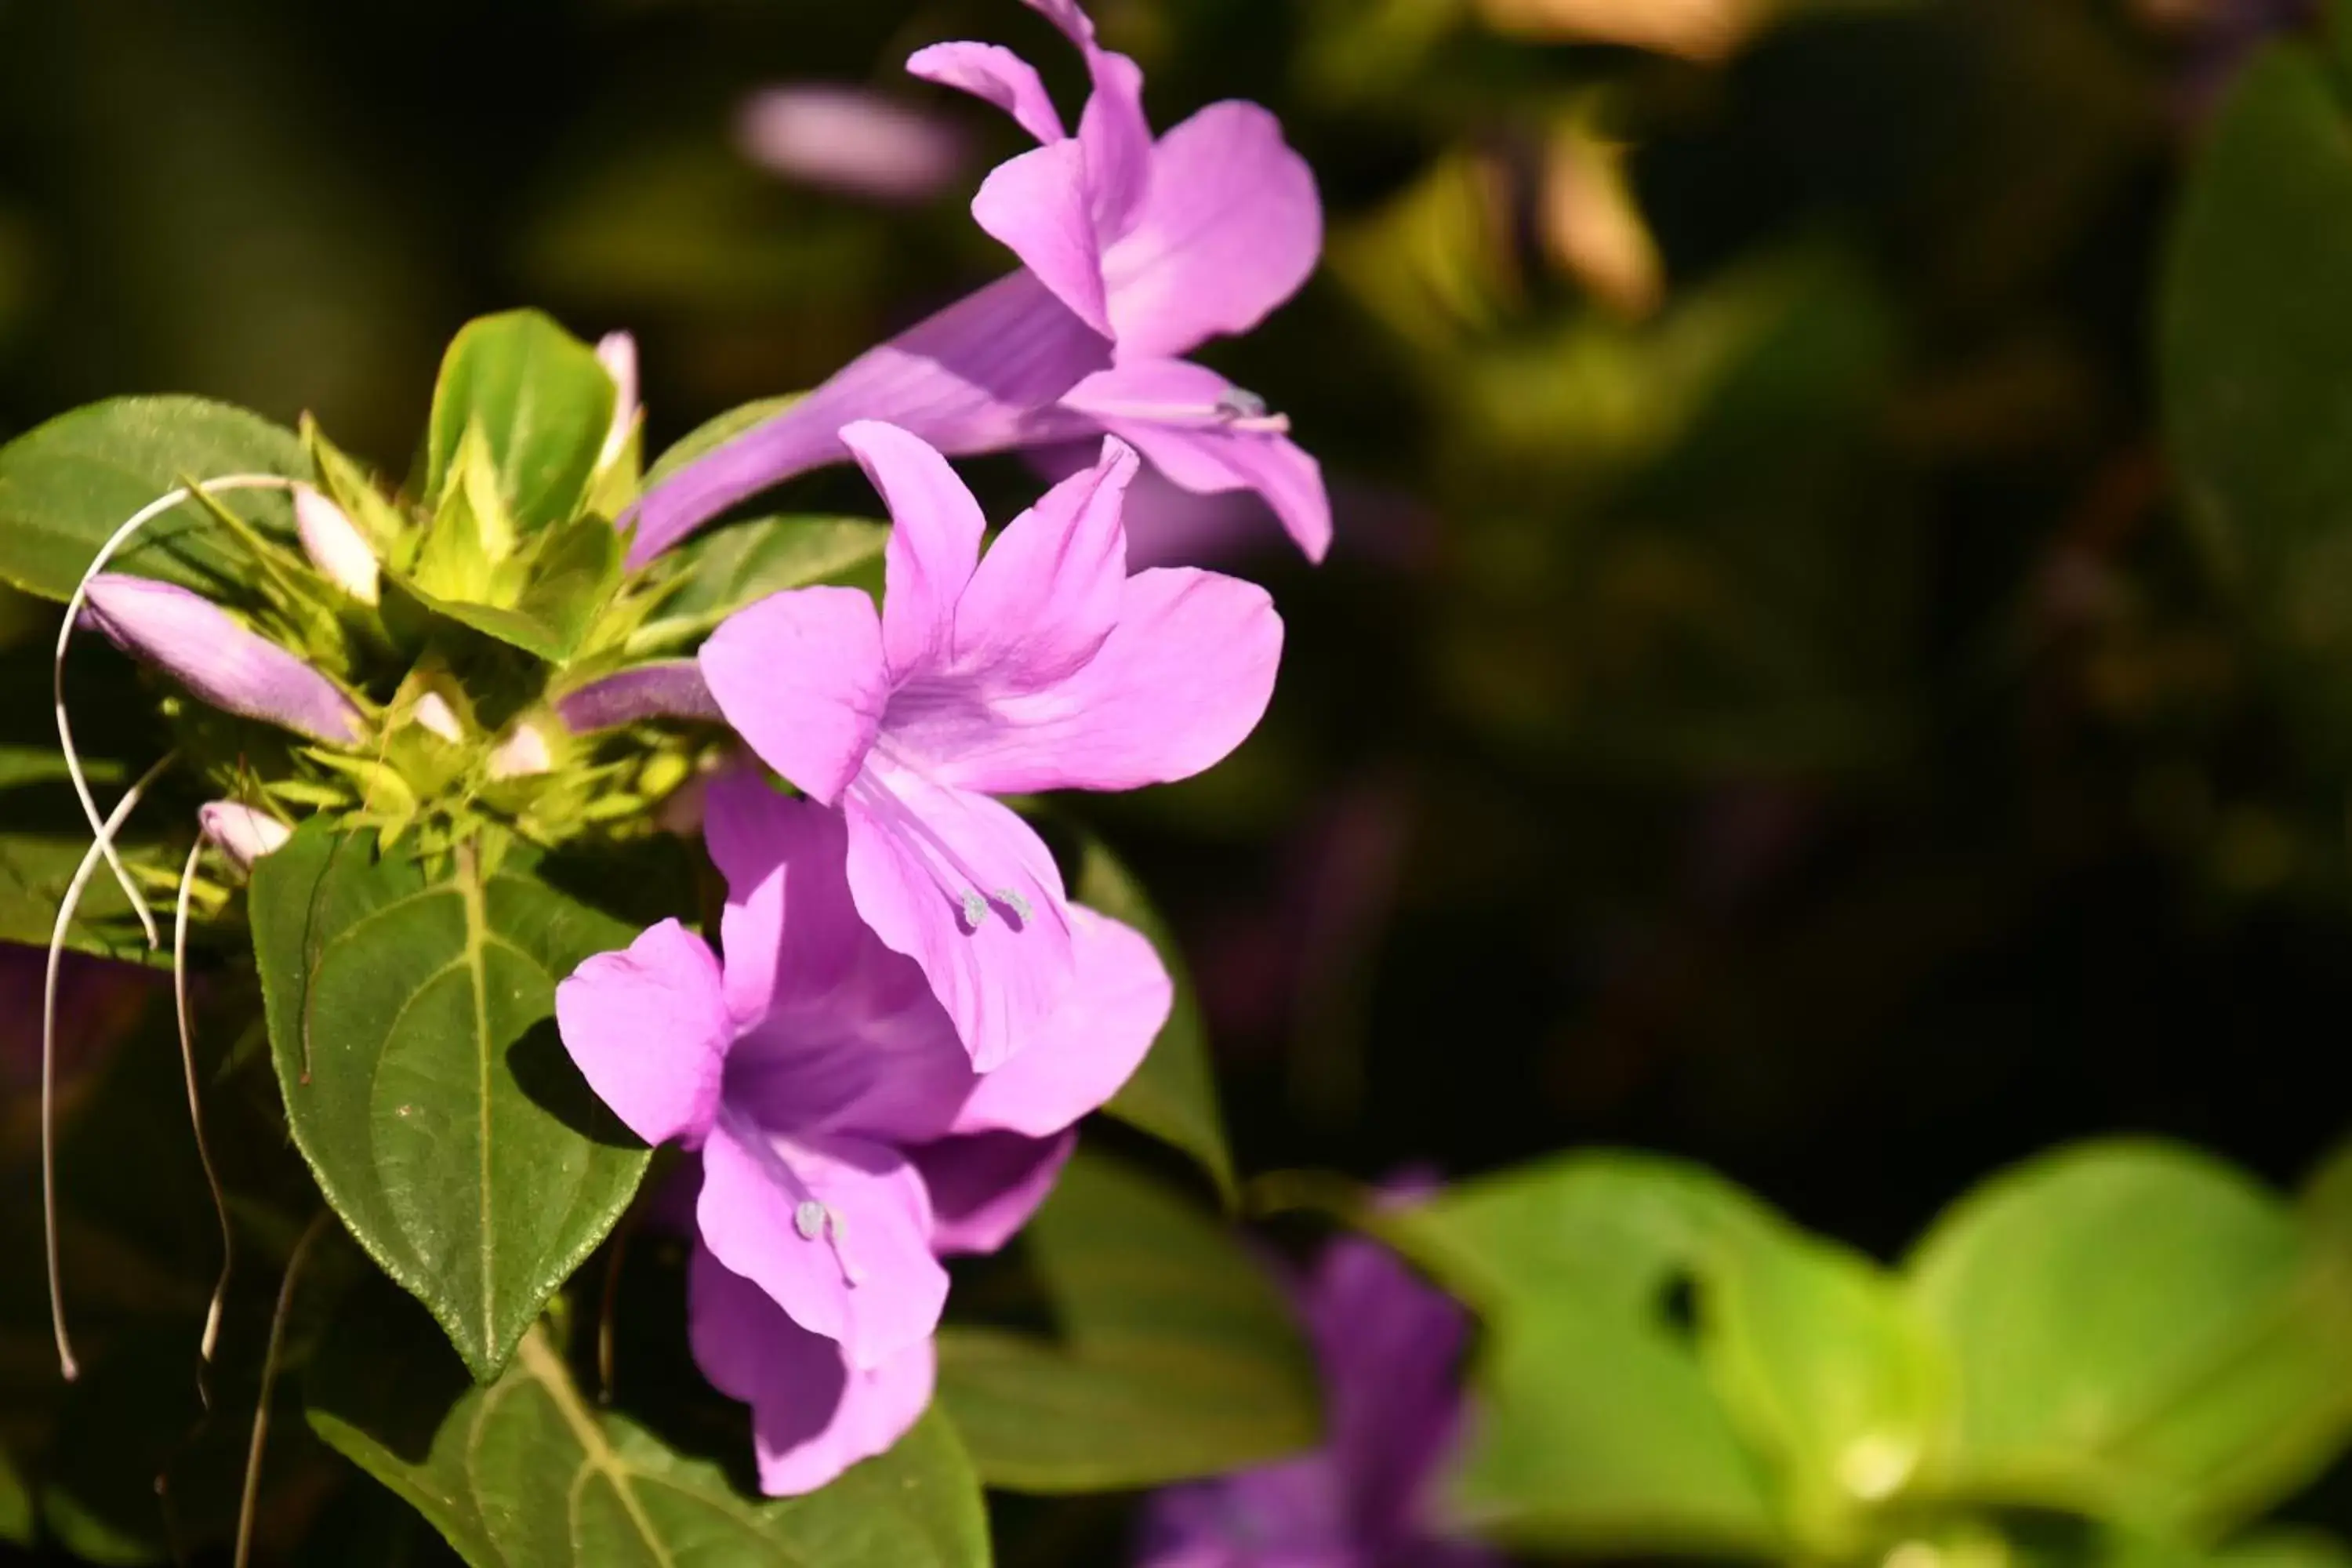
(1043, 666)
(851, 141)
(202, 647)
(845, 1141)
(1134, 253)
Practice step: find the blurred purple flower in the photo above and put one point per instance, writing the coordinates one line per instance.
(1387, 1346)
(206, 649)
(852, 140)
(845, 1142)
(1134, 253)
(99, 1001)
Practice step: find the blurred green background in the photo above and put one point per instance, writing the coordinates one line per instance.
(1811, 676)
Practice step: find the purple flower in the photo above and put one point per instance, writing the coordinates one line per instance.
(666, 688)
(1134, 253)
(1387, 1346)
(202, 647)
(243, 833)
(851, 141)
(845, 1142)
(1043, 666)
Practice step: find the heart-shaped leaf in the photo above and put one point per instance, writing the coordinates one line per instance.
(1175, 1356)
(67, 486)
(412, 1022)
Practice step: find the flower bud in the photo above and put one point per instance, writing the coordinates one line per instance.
(434, 715)
(217, 659)
(241, 831)
(666, 689)
(524, 754)
(335, 546)
(617, 351)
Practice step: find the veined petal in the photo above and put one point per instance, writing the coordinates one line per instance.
(836, 1230)
(1231, 226)
(1118, 141)
(800, 675)
(228, 667)
(666, 688)
(1119, 1001)
(840, 1034)
(965, 380)
(963, 887)
(984, 1187)
(935, 532)
(996, 74)
(1040, 205)
(812, 1416)
(1179, 683)
(648, 1029)
(1049, 591)
(1212, 457)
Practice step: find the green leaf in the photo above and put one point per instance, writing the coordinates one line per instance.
(410, 1019)
(714, 432)
(1599, 1428)
(2139, 1332)
(67, 486)
(540, 398)
(1823, 1365)
(523, 1473)
(570, 577)
(721, 572)
(15, 1504)
(1175, 1356)
(2283, 1548)
(2256, 329)
(34, 869)
(1174, 1095)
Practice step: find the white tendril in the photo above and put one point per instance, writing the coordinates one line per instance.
(102, 847)
(138, 520)
(195, 1108)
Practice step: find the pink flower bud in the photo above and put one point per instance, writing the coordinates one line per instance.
(434, 715)
(217, 659)
(335, 546)
(617, 351)
(666, 688)
(524, 754)
(242, 833)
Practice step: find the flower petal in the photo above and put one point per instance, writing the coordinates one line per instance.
(996, 74)
(649, 1030)
(1049, 591)
(1202, 433)
(1231, 229)
(666, 688)
(217, 659)
(836, 1230)
(841, 1034)
(1116, 1004)
(935, 532)
(800, 675)
(1118, 141)
(966, 380)
(984, 1187)
(812, 1417)
(1040, 205)
(1180, 682)
(966, 889)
